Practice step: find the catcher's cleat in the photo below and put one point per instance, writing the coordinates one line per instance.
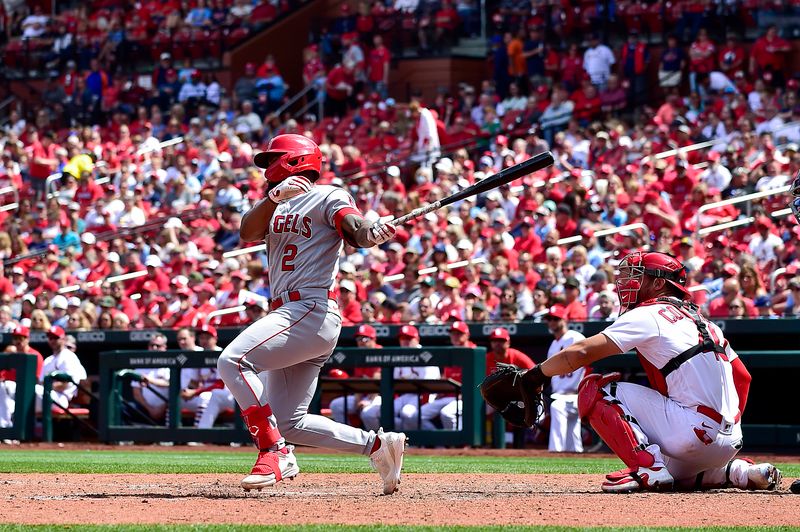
(270, 468)
(764, 477)
(642, 479)
(388, 459)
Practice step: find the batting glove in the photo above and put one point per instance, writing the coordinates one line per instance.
(289, 188)
(381, 231)
(796, 209)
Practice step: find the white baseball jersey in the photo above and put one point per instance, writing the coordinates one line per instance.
(659, 332)
(65, 361)
(566, 383)
(305, 239)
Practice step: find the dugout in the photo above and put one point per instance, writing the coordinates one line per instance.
(768, 348)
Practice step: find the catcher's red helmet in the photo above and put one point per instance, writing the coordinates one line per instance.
(636, 265)
(289, 155)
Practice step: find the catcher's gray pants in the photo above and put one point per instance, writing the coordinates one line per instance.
(290, 344)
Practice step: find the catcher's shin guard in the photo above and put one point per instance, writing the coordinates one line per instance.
(612, 421)
(262, 426)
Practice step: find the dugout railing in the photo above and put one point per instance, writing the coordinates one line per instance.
(116, 370)
(116, 367)
(471, 360)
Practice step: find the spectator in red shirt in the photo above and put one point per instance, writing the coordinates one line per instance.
(702, 57)
(339, 87)
(575, 309)
(527, 241)
(500, 350)
(768, 55)
(572, 73)
(349, 306)
(378, 67)
(565, 225)
(445, 24)
(719, 307)
(587, 104)
(43, 161)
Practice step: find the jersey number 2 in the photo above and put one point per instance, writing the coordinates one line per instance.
(289, 254)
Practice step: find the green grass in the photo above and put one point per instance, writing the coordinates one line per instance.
(122, 461)
(370, 528)
(76, 461)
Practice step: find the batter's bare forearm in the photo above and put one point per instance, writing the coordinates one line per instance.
(355, 230)
(580, 354)
(255, 222)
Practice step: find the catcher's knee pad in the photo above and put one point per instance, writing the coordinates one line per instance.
(611, 420)
(590, 390)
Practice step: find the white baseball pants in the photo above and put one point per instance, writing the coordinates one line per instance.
(565, 424)
(687, 442)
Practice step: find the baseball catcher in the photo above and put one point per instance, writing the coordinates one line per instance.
(684, 431)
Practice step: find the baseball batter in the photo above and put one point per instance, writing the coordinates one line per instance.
(683, 431)
(795, 205)
(303, 226)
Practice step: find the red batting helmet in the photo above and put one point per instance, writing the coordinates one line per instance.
(289, 155)
(636, 265)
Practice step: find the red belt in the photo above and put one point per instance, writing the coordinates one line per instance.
(710, 413)
(294, 295)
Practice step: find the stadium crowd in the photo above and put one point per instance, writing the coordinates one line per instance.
(155, 180)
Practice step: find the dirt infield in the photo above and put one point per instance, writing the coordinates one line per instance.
(442, 499)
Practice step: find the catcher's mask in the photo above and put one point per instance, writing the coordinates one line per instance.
(289, 155)
(636, 265)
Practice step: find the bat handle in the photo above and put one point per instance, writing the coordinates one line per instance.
(416, 213)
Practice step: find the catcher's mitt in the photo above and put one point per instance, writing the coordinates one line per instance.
(516, 394)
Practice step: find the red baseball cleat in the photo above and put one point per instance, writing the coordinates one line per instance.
(641, 479)
(270, 468)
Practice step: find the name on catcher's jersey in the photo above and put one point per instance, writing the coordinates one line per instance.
(660, 332)
(304, 239)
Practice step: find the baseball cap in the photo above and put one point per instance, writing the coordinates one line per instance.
(107, 301)
(208, 329)
(408, 331)
(762, 301)
(59, 302)
(440, 248)
(428, 281)
(149, 286)
(499, 333)
(479, 306)
(347, 284)
(377, 267)
(397, 247)
(154, 261)
(56, 331)
(30, 298)
(21, 330)
(205, 287)
(74, 301)
(452, 282)
(557, 311)
(459, 326)
(572, 283)
(367, 331)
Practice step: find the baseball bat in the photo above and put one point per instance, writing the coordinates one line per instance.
(535, 163)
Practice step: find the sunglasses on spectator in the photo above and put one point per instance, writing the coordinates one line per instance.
(156, 344)
(362, 339)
